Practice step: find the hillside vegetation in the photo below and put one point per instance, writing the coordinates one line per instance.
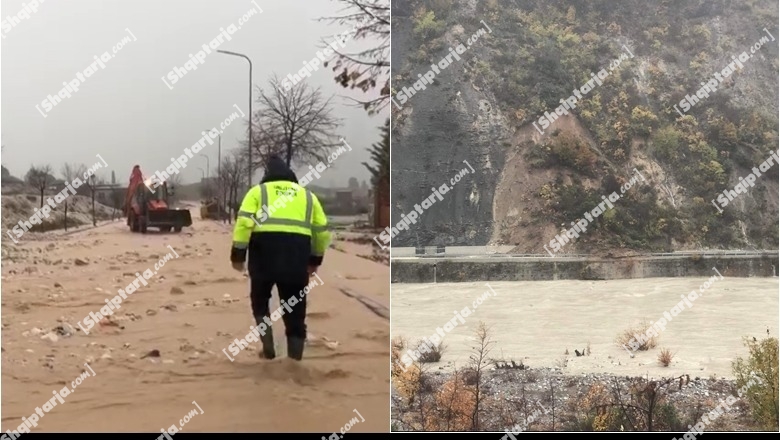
(532, 178)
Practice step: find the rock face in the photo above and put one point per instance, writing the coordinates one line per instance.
(528, 180)
(436, 132)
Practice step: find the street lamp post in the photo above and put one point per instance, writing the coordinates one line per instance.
(208, 174)
(208, 166)
(220, 177)
(92, 188)
(249, 165)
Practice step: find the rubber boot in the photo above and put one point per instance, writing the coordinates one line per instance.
(295, 348)
(267, 339)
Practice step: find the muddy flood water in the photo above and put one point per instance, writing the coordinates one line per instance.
(538, 321)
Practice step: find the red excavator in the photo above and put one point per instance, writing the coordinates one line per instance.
(146, 205)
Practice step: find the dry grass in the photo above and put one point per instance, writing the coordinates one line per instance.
(459, 403)
(397, 346)
(625, 337)
(409, 380)
(457, 399)
(464, 400)
(665, 357)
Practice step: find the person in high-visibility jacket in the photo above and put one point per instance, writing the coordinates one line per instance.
(284, 229)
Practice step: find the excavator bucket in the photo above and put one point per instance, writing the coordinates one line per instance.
(167, 219)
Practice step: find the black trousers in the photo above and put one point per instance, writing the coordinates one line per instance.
(293, 313)
(280, 259)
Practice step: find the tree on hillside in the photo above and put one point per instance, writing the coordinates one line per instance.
(353, 183)
(369, 68)
(6, 176)
(296, 124)
(39, 178)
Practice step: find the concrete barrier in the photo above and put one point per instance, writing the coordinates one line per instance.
(455, 251)
(499, 268)
(450, 251)
(401, 252)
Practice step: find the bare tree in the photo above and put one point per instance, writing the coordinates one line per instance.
(92, 182)
(669, 187)
(39, 178)
(232, 178)
(479, 363)
(297, 124)
(640, 407)
(173, 182)
(552, 402)
(207, 190)
(70, 171)
(370, 68)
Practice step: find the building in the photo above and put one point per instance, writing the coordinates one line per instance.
(345, 204)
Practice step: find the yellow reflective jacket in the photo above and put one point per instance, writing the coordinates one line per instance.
(282, 206)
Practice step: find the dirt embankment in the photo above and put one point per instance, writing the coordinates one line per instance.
(18, 208)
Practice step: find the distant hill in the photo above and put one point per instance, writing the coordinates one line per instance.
(7, 178)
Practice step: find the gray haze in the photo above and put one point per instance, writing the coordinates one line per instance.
(126, 113)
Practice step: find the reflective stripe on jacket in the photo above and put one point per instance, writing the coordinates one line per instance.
(282, 206)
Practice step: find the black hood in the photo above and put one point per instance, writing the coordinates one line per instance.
(277, 170)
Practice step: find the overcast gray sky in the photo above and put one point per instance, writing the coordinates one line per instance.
(126, 113)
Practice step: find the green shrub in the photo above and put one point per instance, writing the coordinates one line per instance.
(762, 397)
(668, 141)
(426, 26)
(573, 153)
